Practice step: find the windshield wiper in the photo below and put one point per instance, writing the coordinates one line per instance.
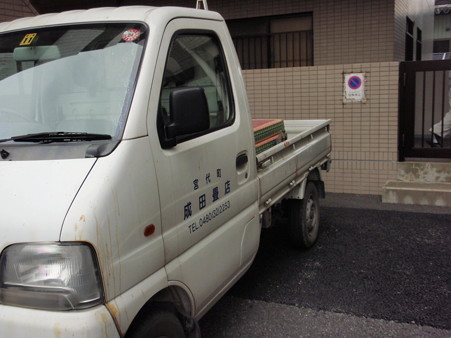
(49, 137)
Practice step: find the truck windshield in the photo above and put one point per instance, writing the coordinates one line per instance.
(68, 79)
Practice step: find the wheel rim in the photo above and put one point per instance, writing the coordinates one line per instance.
(311, 216)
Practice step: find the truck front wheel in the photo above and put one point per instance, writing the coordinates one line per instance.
(160, 323)
(304, 218)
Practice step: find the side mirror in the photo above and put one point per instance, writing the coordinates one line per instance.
(189, 112)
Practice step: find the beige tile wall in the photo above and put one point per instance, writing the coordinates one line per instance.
(13, 9)
(345, 31)
(364, 134)
(352, 31)
(401, 12)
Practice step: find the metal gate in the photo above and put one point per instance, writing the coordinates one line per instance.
(425, 110)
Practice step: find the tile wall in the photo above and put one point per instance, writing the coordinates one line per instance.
(13, 9)
(364, 134)
(345, 31)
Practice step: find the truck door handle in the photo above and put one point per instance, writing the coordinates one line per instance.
(241, 160)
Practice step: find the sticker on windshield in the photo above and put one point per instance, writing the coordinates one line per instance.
(131, 35)
(28, 39)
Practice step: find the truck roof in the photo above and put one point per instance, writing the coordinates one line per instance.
(109, 14)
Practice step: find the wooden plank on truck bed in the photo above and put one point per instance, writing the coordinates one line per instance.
(264, 129)
(268, 143)
(296, 130)
(268, 133)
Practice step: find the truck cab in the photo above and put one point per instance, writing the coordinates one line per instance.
(132, 195)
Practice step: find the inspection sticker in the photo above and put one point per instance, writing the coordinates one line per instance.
(131, 35)
(28, 39)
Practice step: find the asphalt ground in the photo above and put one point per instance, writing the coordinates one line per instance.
(377, 270)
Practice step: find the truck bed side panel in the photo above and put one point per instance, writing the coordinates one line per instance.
(308, 145)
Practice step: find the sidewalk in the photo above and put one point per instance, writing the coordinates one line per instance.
(374, 202)
(236, 317)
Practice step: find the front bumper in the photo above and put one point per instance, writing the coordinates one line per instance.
(22, 322)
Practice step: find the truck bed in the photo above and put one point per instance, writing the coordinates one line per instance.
(285, 165)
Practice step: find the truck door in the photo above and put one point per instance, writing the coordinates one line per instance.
(207, 192)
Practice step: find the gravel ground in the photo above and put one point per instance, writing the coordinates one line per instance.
(376, 270)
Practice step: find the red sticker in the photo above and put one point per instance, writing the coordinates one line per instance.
(131, 35)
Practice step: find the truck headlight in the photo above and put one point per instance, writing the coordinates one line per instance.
(50, 276)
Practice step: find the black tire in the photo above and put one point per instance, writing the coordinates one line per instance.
(159, 323)
(303, 223)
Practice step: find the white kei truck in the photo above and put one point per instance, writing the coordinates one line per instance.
(132, 197)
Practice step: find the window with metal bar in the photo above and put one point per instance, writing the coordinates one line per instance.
(419, 44)
(409, 40)
(273, 42)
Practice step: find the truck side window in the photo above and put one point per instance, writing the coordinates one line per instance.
(196, 60)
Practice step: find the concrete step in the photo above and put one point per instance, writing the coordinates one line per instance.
(431, 172)
(423, 193)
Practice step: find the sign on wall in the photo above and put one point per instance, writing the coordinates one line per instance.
(354, 87)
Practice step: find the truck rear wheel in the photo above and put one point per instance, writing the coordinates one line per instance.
(304, 218)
